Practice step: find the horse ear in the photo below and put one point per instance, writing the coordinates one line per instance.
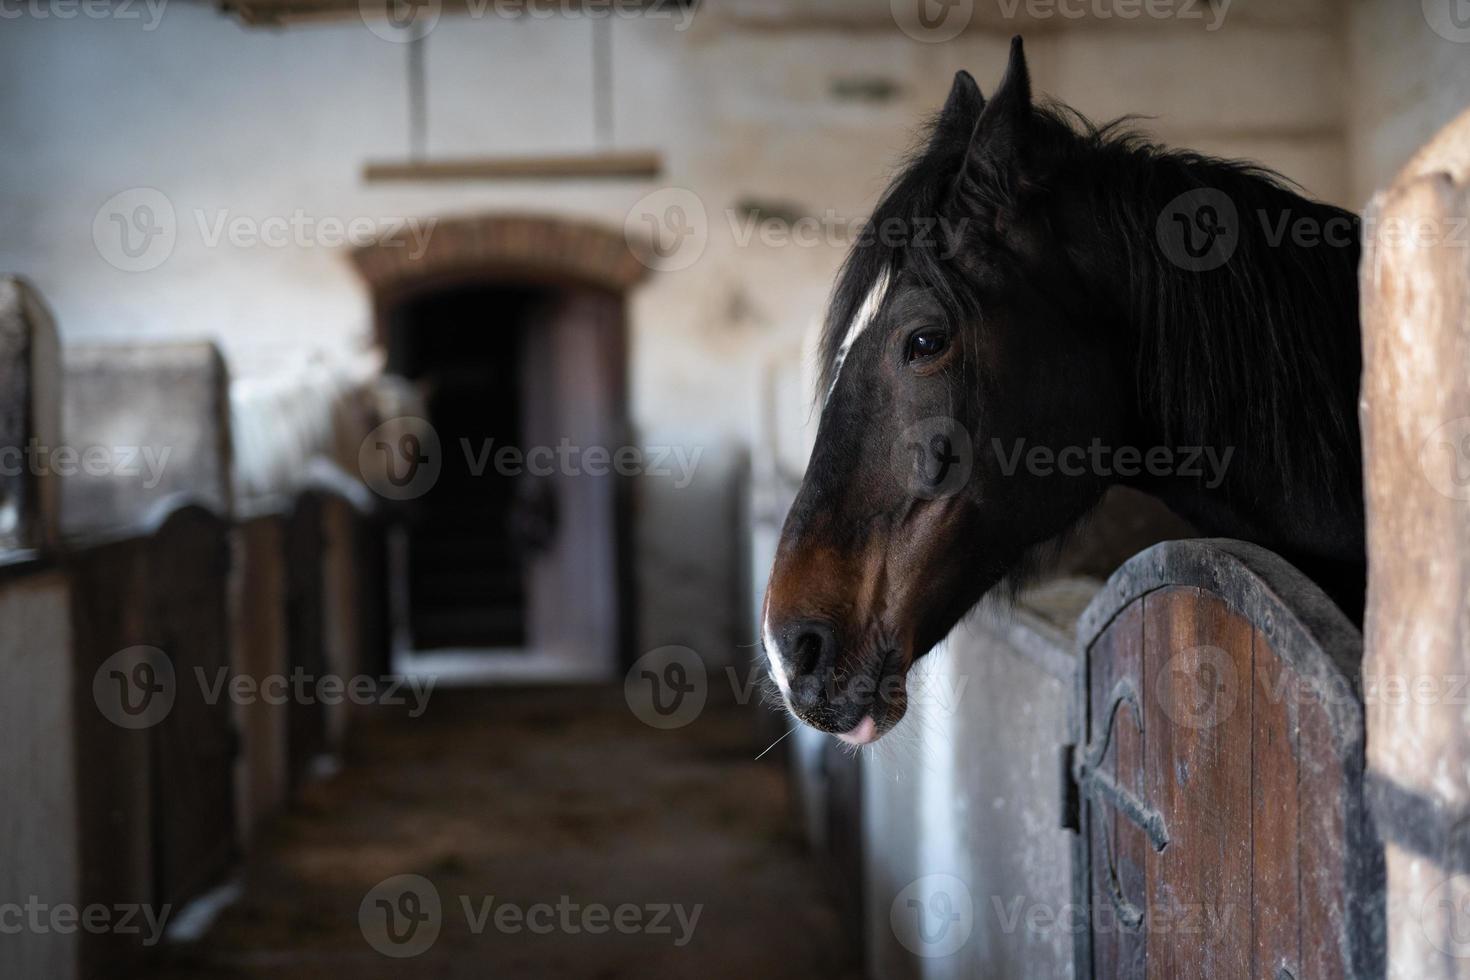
(962, 109)
(1000, 131)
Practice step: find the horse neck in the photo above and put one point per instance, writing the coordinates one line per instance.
(1257, 359)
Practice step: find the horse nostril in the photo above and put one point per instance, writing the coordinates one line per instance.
(806, 653)
(809, 655)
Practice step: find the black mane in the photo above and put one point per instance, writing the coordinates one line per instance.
(1253, 354)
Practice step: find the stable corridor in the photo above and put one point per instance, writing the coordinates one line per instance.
(506, 800)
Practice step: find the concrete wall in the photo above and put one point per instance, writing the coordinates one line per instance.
(963, 811)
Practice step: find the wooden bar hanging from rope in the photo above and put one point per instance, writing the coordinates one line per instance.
(623, 164)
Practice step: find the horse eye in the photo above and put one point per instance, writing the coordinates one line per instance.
(925, 344)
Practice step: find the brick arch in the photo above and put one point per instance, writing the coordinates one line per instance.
(521, 247)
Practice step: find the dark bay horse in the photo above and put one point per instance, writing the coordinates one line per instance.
(1045, 309)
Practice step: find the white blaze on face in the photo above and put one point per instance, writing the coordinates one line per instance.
(867, 312)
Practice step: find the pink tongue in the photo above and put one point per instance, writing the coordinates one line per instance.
(865, 732)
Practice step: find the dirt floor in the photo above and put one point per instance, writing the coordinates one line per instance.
(536, 816)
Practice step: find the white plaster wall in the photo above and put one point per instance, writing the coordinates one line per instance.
(1411, 76)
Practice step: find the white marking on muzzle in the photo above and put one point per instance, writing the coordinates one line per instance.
(773, 654)
(866, 314)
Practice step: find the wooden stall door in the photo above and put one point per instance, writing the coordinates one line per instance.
(1220, 773)
(306, 634)
(114, 765)
(195, 745)
(572, 373)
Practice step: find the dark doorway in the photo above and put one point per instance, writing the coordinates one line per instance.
(517, 546)
(466, 583)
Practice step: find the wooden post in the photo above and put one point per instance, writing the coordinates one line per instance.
(1416, 431)
(30, 417)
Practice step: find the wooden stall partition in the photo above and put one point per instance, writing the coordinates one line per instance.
(259, 653)
(338, 622)
(1415, 411)
(373, 596)
(356, 626)
(38, 816)
(153, 419)
(38, 821)
(30, 419)
(115, 701)
(154, 740)
(186, 566)
(1219, 765)
(306, 634)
